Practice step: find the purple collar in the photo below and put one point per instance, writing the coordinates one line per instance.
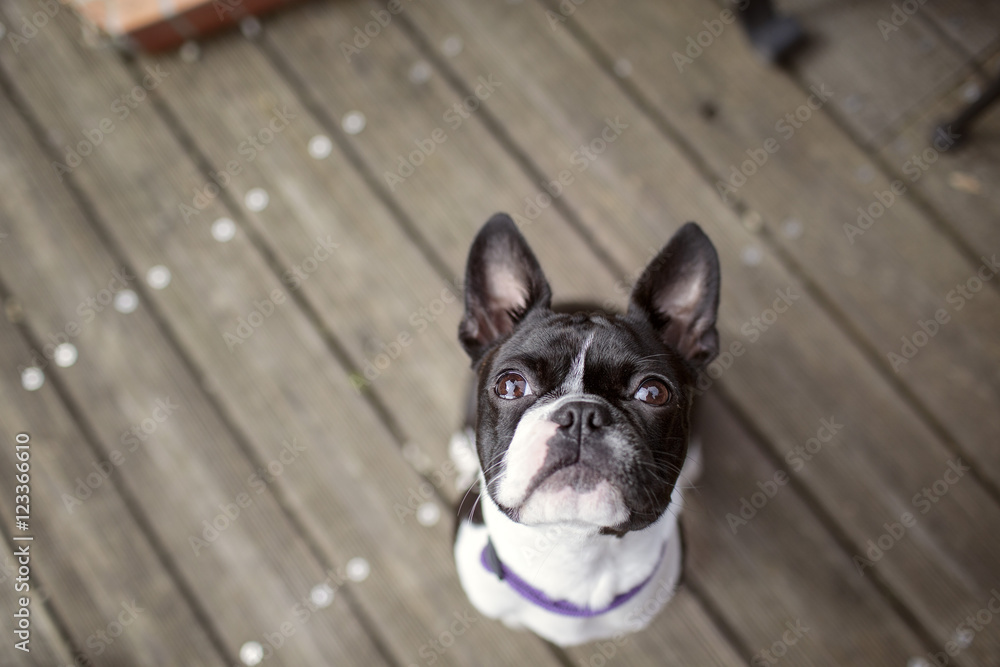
(491, 561)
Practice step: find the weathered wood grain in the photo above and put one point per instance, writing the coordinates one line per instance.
(670, 638)
(975, 26)
(94, 559)
(46, 646)
(252, 577)
(785, 532)
(881, 63)
(958, 183)
(570, 106)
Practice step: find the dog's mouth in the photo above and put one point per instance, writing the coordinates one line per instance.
(577, 493)
(578, 475)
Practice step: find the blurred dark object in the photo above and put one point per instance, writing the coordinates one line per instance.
(775, 36)
(157, 25)
(961, 124)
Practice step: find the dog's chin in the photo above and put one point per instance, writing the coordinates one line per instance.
(562, 498)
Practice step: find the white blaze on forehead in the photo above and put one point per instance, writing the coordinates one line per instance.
(574, 381)
(525, 457)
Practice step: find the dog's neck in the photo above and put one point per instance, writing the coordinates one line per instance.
(577, 563)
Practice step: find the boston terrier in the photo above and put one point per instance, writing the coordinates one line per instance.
(577, 434)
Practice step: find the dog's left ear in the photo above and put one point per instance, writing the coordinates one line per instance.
(679, 294)
(503, 282)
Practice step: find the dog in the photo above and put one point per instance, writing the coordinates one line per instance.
(577, 430)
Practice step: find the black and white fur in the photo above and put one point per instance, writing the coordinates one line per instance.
(578, 466)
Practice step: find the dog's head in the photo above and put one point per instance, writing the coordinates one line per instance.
(583, 418)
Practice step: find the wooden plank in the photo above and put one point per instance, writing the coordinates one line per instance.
(681, 625)
(880, 282)
(253, 578)
(975, 26)
(881, 63)
(736, 471)
(70, 550)
(777, 382)
(956, 182)
(338, 84)
(282, 384)
(46, 645)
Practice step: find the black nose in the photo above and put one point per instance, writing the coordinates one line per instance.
(581, 418)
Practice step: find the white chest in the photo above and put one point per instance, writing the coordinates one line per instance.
(496, 598)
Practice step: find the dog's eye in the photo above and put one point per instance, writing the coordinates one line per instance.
(653, 392)
(512, 385)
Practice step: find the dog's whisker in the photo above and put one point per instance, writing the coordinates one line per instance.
(472, 512)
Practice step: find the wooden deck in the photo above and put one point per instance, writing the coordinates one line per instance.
(304, 373)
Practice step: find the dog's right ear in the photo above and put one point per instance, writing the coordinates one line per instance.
(503, 282)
